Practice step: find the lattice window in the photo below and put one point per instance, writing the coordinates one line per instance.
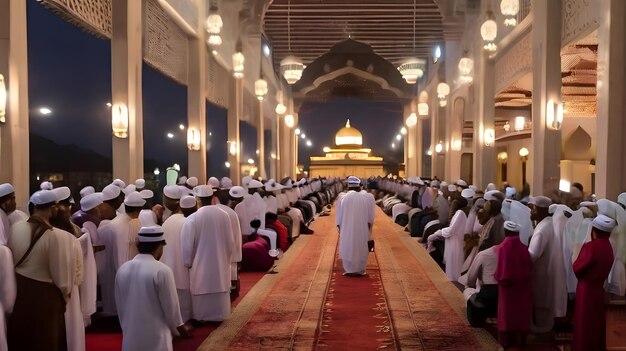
(93, 16)
(218, 83)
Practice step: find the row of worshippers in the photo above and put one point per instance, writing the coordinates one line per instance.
(572, 254)
(49, 283)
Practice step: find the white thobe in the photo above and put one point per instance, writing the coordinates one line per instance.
(453, 250)
(148, 306)
(88, 289)
(548, 275)
(355, 213)
(5, 228)
(207, 249)
(237, 243)
(8, 290)
(74, 321)
(172, 257)
(244, 219)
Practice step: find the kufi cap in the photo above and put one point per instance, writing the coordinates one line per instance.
(182, 180)
(43, 197)
(490, 195)
(354, 180)
(110, 192)
(226, 183)
(213, 182)
(152, 234)
(203, 191)
(146, 194)
(46, 185)
(62, 193)
(192, 182)
(604, 223)
(451, 187)
(621, 198)
(443, 184)
(480, 202)
(90, 201)
(245, 181)
(510, 191)
(461, 183)
(272, 185)
(552, 208)
(6, 189)
(187, 202)
(172, 191)
(134, 200)
(237, 192)
(254, 184)
(434, 184)
(490, 187)
(119, 183)
(140, 183)
(87, 190)
(129, 189)
(287, 183)
(540, 201)
(512, 226)
(473, 187)
(467, 193)
(303, 181)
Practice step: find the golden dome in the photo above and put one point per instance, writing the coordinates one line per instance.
(348, 136)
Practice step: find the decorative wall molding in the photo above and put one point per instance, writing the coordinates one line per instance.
(218, 83)
(165, 44)
(513, 64)
(92, 16)
(579, 18)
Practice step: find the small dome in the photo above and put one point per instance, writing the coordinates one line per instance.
(348, 136)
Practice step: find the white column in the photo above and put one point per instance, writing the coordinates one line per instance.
(196, 97)
(409, 143)
(261, 141)
(484, 156)
(611, 144)
(234, 114)
(126, 66)
(14, 146)
(419, 147)
(546, 143)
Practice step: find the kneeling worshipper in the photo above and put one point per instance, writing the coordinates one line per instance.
(515, 295)
(207, 247)
(592, 267)
(146, 297)
(482, 298)
(7, 291)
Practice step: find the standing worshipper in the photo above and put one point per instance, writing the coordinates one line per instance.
(45, 271)
(546, 253)
(513, 274)
(592, 267)
(145, 292)
(355, 219)
(7, 206)
(207, 248)
(7, 291)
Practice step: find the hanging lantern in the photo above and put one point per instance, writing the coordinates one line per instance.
(411, 120)
(506, 126)
(260, 88)
(412, 70)
(489, 32)
(291, 68)
(238, 60)
(422, 109)
(509, 9)
(213, 23)
(280, 108)
(119, 120)
(443, 90)
(466, 65)
(214, 40)
(290, 121)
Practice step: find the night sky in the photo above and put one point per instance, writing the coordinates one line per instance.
(70, 72)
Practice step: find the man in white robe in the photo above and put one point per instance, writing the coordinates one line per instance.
(454, 237)
(207, 249)
(548, 273)
(145, 292)
(356, 218)
(7, 206)
(7, 291)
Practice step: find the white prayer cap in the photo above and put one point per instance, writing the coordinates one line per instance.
(151, 234)
(62, 193)
(245, 181)
(192, 181)
(146, 194)
(272, 185)
(120, 183)
(129, 189)
(237, 192)
(434, 184)
(226, 183)
(461, 183)
(203, 191)
(552, 208)
(172, 191)
(90, 201)
(621, 198)
(43, 197)
(140, 183)
(46, 185)
(182, 180)
(213, 182)
(512, 226)
(302, 181)
(255, 184)
(490, 195)
(6, 189)
(443, 184)
(352, 180)
(110, 192)
(187, 202)
(288, 183)
(468, 193)
(604, 223)
(473, 187)
(490, 187)
(134, 200)
(451, 187)
(510, 191)
(540, 201)
(87, 190)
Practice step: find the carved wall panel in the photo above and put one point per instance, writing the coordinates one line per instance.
(93, 16)
(218, 83)
(516, 62)
(579, 18)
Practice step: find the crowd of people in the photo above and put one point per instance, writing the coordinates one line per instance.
(527, 261)
(160, 268)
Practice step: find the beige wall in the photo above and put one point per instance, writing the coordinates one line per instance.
(345, 171)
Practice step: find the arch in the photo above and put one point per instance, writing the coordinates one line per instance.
(578, 145)
(355, 71)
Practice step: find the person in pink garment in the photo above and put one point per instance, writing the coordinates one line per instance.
(592, 267)
(513, 274)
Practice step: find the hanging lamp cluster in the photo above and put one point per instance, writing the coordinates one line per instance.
(510, 9)
(291, 67)
(489, 32)
(238, 60)
(412, 69)
(213, 25)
